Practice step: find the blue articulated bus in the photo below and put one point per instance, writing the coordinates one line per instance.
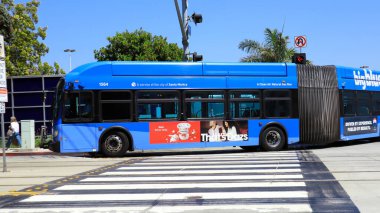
(116, 107)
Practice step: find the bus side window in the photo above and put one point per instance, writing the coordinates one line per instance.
(364, 103)
(277, 103)
(349, 108)
(116, 105)
(204, 104)
(157, 105)
(78, 106)
(376, 103)
(245, 103)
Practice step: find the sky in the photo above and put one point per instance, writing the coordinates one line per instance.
(340, 32)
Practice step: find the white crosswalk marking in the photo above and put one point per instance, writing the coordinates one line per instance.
(179, 185)
(195, 178)
(200, 172)
(171, 196)
(252, 182)
(207, 162)
(217, 159)
(210, 166)
(178, 208)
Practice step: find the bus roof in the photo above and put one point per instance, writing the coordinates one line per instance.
(204, 75)
(121, 68)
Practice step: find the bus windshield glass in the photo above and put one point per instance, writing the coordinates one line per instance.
(57, 100)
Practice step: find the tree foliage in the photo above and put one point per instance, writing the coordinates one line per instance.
(23, 48)
(5, 23)
(138, 46)
(274, 49)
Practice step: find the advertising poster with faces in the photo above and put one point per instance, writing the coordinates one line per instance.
(198, 131)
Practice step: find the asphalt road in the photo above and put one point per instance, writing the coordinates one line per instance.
(221, 180)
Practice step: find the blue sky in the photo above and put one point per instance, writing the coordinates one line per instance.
(343, 33)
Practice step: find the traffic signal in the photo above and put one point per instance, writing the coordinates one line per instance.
(299, 58)
(197, 18)
(197, 57)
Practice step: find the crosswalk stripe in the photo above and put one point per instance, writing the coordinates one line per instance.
(218, 158)
(179, 186)
(178, 208)
(169, 196)
(201, 172)
(208, 162)
(228, 156)
(194, 178)
(207, 166)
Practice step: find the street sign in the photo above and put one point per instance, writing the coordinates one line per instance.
(3, 83)
(2, 51)
(2, 108)
(3, 97)
(300, 41)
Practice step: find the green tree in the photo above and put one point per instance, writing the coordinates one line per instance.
(24, 48)
(138, 46)
(5, 23)
(274, 48)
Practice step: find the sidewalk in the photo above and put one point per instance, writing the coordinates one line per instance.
(27, 168)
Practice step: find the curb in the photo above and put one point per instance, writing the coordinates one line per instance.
(28, 152)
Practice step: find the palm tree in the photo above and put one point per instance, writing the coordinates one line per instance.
(274, 48)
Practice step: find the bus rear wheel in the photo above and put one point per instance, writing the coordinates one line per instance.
(272, 139)
(115, 144)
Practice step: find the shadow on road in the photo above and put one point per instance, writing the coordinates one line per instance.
(226, 150)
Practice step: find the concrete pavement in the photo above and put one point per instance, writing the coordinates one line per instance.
(357, 168)
(27, 171)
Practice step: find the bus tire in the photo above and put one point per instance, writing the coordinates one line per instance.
(115, 144)
(272, 139)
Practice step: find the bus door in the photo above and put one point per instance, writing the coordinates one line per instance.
(78, 133)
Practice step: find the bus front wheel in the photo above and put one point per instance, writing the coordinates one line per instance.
(272, 139)
(115, 144)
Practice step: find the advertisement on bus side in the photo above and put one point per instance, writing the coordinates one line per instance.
(198, 131)
(360, 125)
(219, 131)
(174, 132)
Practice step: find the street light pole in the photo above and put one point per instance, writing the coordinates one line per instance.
(69, 51)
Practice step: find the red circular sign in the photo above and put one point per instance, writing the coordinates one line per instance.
(300, 41)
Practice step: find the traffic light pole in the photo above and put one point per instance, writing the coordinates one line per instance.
(183, 24)
(185, 20)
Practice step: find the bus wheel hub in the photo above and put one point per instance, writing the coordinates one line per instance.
(273, 138)
(113, 143)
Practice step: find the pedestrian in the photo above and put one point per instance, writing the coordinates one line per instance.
(15, 134)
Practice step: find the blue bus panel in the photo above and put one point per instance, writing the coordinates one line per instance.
(175, 134)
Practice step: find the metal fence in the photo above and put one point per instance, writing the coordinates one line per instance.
(30, 98)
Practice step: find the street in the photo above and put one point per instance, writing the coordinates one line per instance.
(222, 180)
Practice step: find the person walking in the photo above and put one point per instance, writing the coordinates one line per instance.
(15, 128)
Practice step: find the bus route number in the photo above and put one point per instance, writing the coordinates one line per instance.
(103, 84)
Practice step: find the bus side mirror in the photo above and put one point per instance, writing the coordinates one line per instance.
(70, 86)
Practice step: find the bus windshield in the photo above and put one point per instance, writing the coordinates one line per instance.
(58, 99)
